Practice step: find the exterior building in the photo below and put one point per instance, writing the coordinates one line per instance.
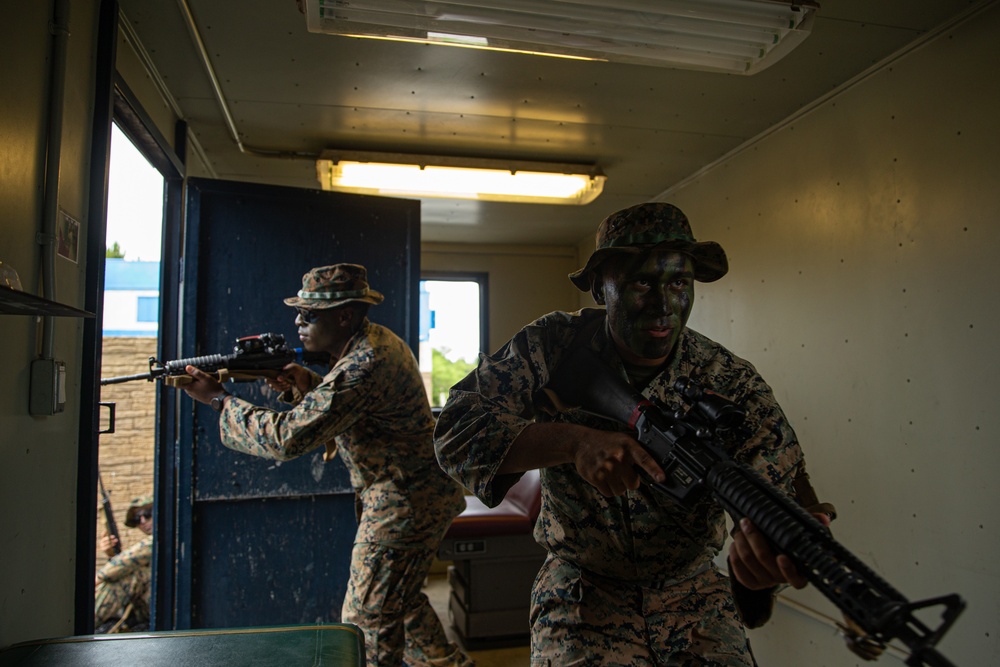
(131, 298)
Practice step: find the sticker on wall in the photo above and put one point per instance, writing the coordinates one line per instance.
(67, 237)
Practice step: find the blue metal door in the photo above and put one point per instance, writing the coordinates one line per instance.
(260, 542)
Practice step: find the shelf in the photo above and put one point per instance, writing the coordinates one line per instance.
(13, 302)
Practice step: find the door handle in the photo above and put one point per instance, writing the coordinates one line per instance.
(111, 417)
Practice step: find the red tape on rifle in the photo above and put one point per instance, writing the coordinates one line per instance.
(636, 413)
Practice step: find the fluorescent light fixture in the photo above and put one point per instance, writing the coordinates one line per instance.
(735, 36)
(406, 175)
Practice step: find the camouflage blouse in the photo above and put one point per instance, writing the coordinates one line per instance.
(136, 561)
(372, 408)
(641, 536)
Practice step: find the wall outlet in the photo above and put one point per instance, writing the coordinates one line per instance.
(47, 395)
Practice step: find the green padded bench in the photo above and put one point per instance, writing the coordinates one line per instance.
(334, 645)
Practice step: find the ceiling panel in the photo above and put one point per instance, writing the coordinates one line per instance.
(647, 127)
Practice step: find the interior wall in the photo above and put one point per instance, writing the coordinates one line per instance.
(524, 282)
(39, 454)
(862, 239)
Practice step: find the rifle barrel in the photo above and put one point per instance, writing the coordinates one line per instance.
(127, 378)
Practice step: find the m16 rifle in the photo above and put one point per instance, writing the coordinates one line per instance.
(109, 516)
(253, 357)
(684, 444)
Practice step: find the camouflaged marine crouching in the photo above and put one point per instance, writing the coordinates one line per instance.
(124, 580)
(643, 539)
(644, 227)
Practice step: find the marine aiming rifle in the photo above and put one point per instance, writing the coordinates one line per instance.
(684, 444)
(109, 516)
(253, 357)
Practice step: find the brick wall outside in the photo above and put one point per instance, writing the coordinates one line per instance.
(126, 456)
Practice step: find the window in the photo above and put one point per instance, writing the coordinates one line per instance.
(148, 309)
(452, 330)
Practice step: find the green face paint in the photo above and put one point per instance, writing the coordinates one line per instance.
(649, 299)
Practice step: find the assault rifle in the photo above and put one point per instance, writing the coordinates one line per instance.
(684, 444)
(253, 357)
(109, 516)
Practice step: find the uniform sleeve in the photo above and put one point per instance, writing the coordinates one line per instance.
(136, 557)
(328, 410)
(770, 446)
(766, 440)
(484, 414)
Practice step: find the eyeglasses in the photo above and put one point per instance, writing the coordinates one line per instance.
(308, 316)
(143, 516)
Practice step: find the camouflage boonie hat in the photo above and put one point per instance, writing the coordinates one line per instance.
(331, 286)
(653, 225)
(135, 508)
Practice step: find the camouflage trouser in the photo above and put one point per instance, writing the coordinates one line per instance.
(581, 619)
(384, 599)
(112, 597)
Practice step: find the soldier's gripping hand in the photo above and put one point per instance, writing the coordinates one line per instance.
(611, 461)
(203, 387)
(756, 565)
(292, 375)
(608, 460)
(107, 544)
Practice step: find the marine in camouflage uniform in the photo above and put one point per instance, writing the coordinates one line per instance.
(372, 409)
(629, 578)
(125, 579)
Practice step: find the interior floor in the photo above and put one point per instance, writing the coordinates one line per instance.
(437, 591)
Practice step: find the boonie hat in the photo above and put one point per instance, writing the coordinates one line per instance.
(135, 508)
(334, 285)
(653, 225)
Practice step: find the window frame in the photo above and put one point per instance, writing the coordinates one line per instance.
(482, 279)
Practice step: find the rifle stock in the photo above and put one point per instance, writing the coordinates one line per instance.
(684, 445)
(253, 357)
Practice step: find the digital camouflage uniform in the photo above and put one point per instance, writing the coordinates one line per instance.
(122, 580)
(628, 580)
(372, 409)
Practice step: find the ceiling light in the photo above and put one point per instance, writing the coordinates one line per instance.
(405, 175)
(736, 36)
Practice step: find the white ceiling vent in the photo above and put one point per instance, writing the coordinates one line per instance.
(735, 36)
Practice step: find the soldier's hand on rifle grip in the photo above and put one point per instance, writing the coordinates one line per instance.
(108, 544)
(203, 387)
(610, 461)
(292, 375)
(755, 564)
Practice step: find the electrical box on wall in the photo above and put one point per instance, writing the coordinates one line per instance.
(48, 387)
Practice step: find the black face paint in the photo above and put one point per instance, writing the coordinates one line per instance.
(649, 299)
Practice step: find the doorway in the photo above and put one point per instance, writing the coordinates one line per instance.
(129, 337)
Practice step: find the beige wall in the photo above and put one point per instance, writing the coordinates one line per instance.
(39, 454)
(524, 282)
(863, 240)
